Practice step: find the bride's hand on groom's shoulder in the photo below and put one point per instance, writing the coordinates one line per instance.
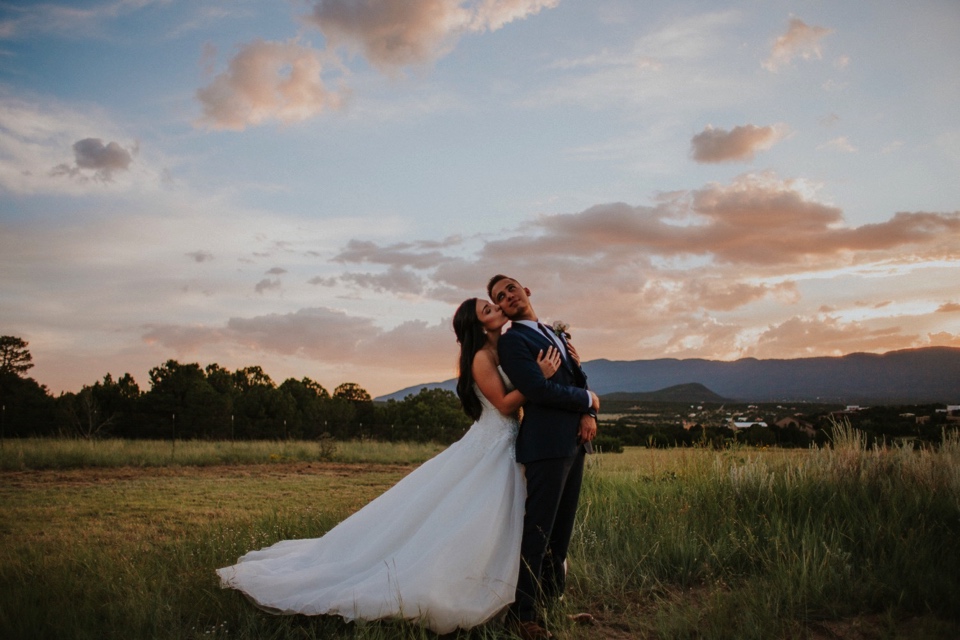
(549, 362)
(573, 353)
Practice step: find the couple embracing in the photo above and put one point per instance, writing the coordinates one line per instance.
(481, 528)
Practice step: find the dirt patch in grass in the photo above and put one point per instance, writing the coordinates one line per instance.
(612, 626)
(100, 475)
(640, 616)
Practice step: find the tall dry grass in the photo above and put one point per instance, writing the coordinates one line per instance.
(70, 453)
(765, 544)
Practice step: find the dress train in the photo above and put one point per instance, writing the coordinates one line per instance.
(442, 546)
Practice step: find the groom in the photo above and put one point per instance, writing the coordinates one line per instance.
(559, 421)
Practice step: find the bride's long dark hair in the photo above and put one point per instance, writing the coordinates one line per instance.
(471, 336)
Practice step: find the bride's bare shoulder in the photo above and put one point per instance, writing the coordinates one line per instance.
(484, 360)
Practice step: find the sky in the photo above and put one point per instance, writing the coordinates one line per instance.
(314, 186)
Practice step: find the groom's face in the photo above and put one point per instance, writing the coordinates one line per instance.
(513, 299)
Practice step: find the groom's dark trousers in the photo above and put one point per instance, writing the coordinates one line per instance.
(553, 490)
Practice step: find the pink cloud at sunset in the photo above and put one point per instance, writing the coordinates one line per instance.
(394, 34)
(740, 143)
(698, 274)
(267, 81)
(800, 41)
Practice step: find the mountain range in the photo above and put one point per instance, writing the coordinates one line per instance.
(927, 375)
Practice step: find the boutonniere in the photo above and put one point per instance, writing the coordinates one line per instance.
(561, 328)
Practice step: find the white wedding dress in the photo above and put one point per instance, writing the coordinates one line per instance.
(441, 547)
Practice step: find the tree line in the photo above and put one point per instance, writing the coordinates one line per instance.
(188, 401)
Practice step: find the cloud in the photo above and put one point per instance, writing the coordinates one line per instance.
(200, 256)
(91, 153)
(948, 307)
(740, 143)
(800, 41)
(320, 334)
(665, 72)
(396, 280)
(101, 159)
(719, 294)
(829, 120)
(391, 34)
(397, 33)
(267, 285)
(709, 272)
(42, 141)
(944, 339)
(494, 14)
(757, 219)
(756, 224)
(276, 271)
(317, 332)
(801, 337)
(397, 255)
(840, 144)
(43, 17)
(182, 338)
(267, 81)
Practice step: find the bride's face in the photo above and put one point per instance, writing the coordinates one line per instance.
(490, 315)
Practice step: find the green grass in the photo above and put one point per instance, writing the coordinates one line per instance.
(39, 453)
(687, 543)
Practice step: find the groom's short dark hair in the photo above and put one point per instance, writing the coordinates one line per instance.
(494, 280)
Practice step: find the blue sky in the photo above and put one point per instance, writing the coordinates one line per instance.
(314, 186)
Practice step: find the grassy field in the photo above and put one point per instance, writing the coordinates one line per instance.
(121, 539)
(43, 453)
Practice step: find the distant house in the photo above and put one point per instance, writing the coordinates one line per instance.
(851, 409)
(952, 411)
(742, 423)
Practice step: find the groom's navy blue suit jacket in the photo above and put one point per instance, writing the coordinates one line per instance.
(551, 414)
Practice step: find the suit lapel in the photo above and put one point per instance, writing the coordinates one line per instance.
(531, 332)
(565, 359)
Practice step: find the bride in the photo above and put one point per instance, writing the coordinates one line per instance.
(442, 546)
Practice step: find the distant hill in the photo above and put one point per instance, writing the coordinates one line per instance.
(691, 392)
(449, 385)
(925, 375)
(910, 376)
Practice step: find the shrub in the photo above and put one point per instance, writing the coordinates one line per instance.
(607, 444)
